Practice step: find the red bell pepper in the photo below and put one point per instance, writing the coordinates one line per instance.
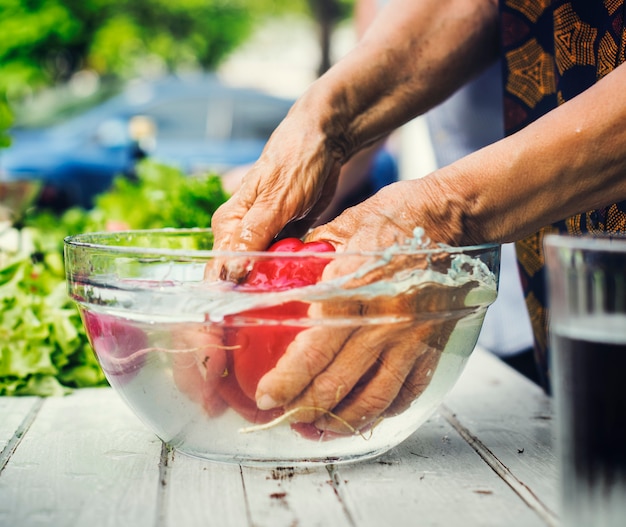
(117, 343)
(257, 348)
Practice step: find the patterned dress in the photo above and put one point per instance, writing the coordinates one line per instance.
(554, 50)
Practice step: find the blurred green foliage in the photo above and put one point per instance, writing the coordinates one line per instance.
(169, 199)
(6, 119)
(44, 42)
(43, 346)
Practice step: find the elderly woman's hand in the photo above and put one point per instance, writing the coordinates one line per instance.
(345, 378)
(286, 190)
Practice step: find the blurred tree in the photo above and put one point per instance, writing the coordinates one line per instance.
(45, 42)
(327, 14)
(6, 119)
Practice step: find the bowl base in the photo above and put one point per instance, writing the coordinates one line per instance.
(251, 461)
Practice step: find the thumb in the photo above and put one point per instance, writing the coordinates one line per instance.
(238, 227)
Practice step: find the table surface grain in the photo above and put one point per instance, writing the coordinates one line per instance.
(484, 459)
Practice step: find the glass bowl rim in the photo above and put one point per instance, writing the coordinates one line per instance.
(77, 241)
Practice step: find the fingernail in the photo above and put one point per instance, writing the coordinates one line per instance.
(265, 402)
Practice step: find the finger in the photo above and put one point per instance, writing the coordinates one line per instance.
(254, 221)
(246, 222)
(224, 221)
(425, 366)
(240, 227)
(401, 356)
(367, 402)
(309, 354)
(416, 382)
(337, 381)
(305, 370)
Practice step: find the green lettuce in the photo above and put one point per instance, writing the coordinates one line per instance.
(43, 346)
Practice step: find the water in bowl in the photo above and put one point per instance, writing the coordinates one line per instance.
(176, 370)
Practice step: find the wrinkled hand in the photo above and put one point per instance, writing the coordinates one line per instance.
(284, 191)
(345, 379)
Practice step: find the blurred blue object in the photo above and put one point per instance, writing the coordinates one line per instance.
(196, 123)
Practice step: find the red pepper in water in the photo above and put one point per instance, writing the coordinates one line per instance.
(118, 345)
(257, 348)
(278, 274)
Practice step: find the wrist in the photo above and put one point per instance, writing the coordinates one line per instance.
(445, 202)
(324, 113)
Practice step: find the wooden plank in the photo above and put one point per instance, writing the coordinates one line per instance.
(86, 460)
(287, 496)
(202, 493)
(433, 479)
(16, 416)
(509, 420)
(434, 476)
(199, 492)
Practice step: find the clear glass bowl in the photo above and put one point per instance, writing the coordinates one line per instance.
(386, 334)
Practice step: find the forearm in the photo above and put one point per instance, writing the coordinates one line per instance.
(417, 53)
(570, 161)
(413, 56)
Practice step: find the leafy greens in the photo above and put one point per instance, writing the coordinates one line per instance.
(43, 346)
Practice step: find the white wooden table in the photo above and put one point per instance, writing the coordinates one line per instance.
(485, 459)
